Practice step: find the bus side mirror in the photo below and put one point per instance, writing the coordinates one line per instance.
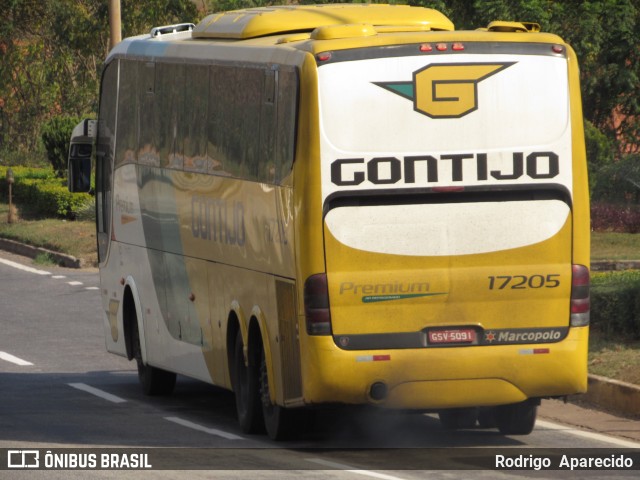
(80, 150)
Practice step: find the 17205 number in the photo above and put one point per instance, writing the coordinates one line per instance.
(519, 282)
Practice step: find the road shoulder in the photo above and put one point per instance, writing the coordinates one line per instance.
(586, 417)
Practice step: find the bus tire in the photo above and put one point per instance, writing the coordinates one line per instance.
(279, 422)
(457, 418)
(246, 388)
(517, 418)
(154, 381)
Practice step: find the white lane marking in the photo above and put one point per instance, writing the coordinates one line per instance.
(24, 268)
(351, 469)
(589, 435)
(10, 358)
(98, 393)
(201, 428)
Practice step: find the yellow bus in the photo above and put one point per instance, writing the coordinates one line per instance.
(345, 204)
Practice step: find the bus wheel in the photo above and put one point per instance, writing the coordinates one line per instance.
(246, 388)
(517, 418)
(154, 381)
(456, 418)
(278, 421)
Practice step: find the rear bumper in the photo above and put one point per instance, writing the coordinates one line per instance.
(434, 378)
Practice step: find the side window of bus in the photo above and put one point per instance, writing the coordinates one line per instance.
(286, 122)
(170, 88)
(235, 97)
(268, 127)
(105, 153)
(195, 120)
(127, 124)
(251, 121)
(147, 146)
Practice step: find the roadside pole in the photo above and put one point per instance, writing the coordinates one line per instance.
(115, 23)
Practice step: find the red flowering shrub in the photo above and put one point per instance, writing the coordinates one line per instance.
(607, 217)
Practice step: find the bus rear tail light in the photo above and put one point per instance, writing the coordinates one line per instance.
(316, 305)
(580, 303)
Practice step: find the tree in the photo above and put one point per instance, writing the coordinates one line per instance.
(227, 5)
(24, 93)
(51, 56)
(604, 34)
(51, 53)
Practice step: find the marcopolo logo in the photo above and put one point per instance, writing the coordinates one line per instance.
(445, 90)
(522, 336)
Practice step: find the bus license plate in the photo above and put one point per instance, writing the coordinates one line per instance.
(458, 335)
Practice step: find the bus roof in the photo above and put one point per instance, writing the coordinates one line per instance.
(279, 34)
(259, 22)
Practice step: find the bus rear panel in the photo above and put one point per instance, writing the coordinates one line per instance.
(449, 226)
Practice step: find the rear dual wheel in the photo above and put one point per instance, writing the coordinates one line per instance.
(255, 410)
(246, 387)
(279, 422)
(517, 418)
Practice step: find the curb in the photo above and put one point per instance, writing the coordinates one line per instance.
(607, 266)
(611, 395)
(32, 252)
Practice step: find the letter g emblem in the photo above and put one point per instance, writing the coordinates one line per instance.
(445, 90)
(451, 90)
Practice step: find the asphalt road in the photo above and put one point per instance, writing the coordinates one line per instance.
(59, 388)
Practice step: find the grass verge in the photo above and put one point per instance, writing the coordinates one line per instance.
(612, 357)
(76, 238)
(614, 246)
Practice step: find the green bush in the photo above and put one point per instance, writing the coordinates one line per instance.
(615, 303)
(51, 198)
(41, 193)
(25, 172)
(600, 155)
(618, 182)
(12, 155)
(20, 174)
(56, 134)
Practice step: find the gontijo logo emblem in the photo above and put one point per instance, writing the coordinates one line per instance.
(445, 90)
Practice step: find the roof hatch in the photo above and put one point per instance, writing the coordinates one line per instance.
(259, 22)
